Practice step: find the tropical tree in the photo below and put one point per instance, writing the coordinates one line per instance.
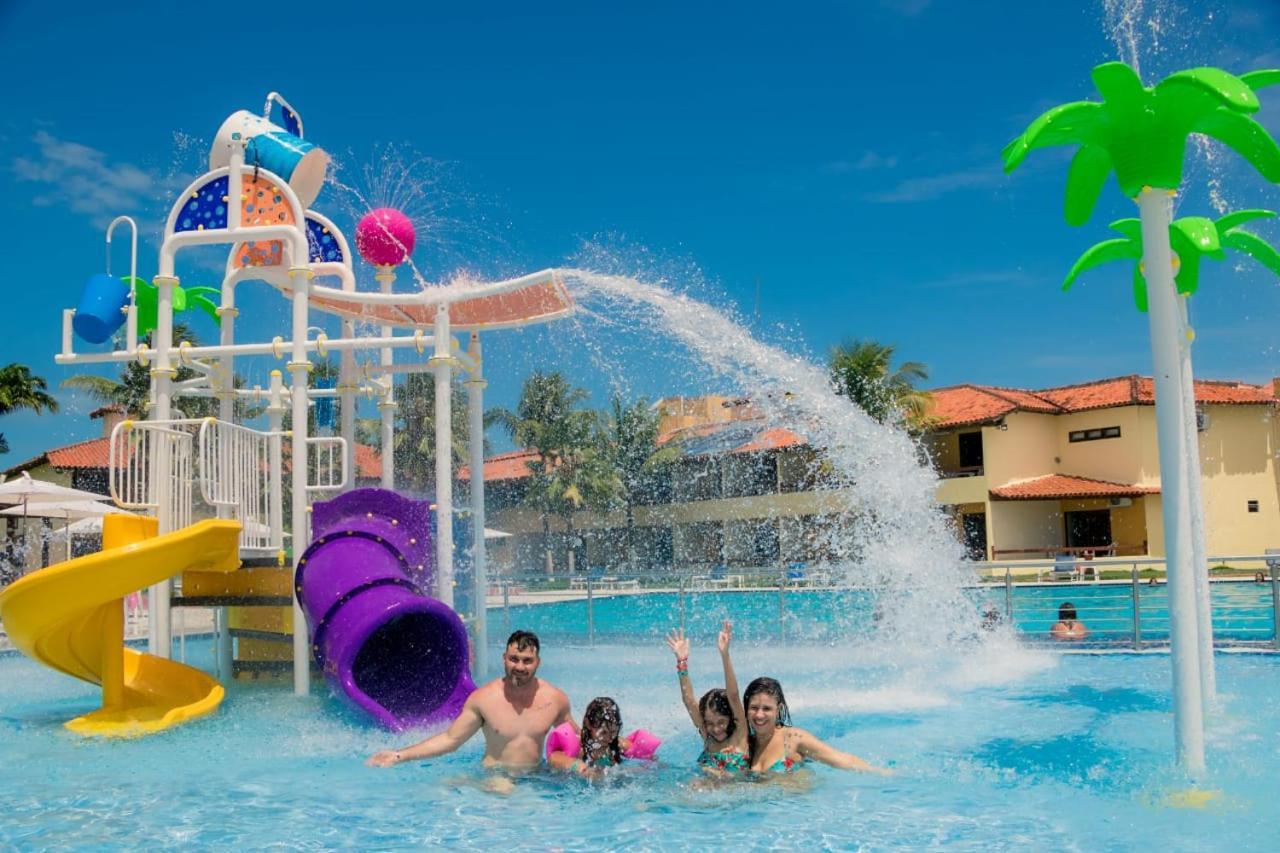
(1141, 133)
(1192, 238)
(627, 438)
(20, 389)
(548, 420)
(132, 388)
(863, 371)
(415, 435)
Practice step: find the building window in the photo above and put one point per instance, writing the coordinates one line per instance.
(1253, 506)
(1093, 434)
(970, 449)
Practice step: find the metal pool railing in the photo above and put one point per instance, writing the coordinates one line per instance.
(781, 605)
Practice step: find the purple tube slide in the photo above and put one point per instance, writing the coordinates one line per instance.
(397, 654)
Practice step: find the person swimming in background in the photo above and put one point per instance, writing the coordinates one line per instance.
(602, 743)
(1068, 627)
(718, 716)
(777, 746)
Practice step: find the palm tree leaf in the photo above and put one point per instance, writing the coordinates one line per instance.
(1253, 246)
(1119, 85)
(1085, 179)
(1248, 138)
(1200, 232)
(1261, 78)
(1222, 88)
(203, 291)
(1187, 280)
(1102, 253)
(1131, 228)
(100, 388)
(1139, 289)
(205, 305)
(1240, 217)
(1068, 123)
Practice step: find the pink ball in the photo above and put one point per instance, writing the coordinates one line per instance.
(385, 237)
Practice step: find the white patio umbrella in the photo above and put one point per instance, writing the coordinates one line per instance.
(69, 510)
(25, 491)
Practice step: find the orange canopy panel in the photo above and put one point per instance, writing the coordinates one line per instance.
(535, 298)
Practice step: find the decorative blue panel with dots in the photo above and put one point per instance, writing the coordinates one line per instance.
(323, 245)
(206, 208)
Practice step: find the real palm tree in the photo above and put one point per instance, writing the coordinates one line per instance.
(863, 371)
(1141, 133)
(548, 421)
(415, 438)
(20, 389)
(627, 436)
(1192, 238)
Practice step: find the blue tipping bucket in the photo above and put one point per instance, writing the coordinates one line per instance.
(99, 314)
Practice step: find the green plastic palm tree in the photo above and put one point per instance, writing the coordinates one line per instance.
(1192, 238)
(1141, 133)
(184, 299)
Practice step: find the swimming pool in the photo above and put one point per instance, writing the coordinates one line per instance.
(996, 747)
(1242, 614)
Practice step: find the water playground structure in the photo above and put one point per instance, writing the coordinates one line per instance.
(370, 593)
(371, 579)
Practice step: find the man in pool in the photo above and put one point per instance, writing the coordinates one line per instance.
(515, 712)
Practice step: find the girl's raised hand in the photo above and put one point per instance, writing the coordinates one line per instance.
(726, 637)
(678, 643)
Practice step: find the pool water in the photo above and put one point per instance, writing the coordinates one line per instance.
(1242, 614)
(995, 746)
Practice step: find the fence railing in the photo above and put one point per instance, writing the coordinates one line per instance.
(1129, 613)
(238, 479)
(151, 468)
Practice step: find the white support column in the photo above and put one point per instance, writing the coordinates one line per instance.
(299, 370)
(442, 363)
(479, 561)
(224, 388)
(159, 635)
(347, 399)
(386, 277)
(1157, 259)
(275, 423)
(1195, 496)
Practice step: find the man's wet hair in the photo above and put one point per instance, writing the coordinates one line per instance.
(717, 700)
(523, 640)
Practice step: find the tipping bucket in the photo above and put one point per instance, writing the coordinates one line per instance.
(99, 314)
(275, 149)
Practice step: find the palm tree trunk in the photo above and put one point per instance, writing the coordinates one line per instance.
(546, 543)
(1199, 551)
(568, 526)
(631, 538)
(1154, 205)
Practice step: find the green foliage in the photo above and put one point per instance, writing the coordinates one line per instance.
(862, 371)
(20, 389)
(1141, 133)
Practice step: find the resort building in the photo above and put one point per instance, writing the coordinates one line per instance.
(1025, 474)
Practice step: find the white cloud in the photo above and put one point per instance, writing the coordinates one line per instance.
(82, 179)
(936, 186)
(868, 161)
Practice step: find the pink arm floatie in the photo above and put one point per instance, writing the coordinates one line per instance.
(564, 739)
(644, 745)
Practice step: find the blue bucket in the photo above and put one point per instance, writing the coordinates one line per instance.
(99, 313)
(296, 160)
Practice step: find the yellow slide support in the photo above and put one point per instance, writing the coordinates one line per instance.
(70, 617)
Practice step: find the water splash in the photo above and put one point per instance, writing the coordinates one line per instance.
(874, 479)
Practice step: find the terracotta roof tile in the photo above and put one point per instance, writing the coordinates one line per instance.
(94, 453)
(1054, 486)
(963, 405)
(504, 466)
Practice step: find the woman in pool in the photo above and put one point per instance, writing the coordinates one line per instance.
(718, 716)
(776, 746)
(602, 744)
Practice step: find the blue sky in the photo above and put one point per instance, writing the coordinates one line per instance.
(838, 159)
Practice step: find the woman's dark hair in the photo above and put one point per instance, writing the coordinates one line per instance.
(769, 687)
(718, 701)
(1067, 611)
(602, 710)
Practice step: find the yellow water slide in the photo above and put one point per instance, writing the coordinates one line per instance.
(70, 616)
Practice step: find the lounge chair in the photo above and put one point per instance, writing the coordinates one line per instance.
(1065, 568)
